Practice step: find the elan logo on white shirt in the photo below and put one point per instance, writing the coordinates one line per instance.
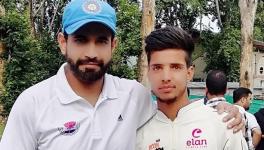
(196, 141)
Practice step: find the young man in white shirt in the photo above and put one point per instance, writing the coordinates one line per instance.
(180, 124)
(242, 99)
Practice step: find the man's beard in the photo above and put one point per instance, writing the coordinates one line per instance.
(88, 76)
(167, 101)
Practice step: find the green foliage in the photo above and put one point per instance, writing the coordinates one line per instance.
(8, 4)
(259, 22)
(223, 52)
(230, 47)
(129, 40)
(223, 49)
(177, 13)
(27, 61)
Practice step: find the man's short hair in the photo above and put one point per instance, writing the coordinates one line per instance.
(216, 82)
(170, 37)
(240, 92)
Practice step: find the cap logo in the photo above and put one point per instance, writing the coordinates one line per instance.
(91, 7)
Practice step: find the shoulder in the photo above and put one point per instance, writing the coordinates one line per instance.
(250, 116)
(206, 114)
(252, 120)
(124, 84)
(41, 89)
(147, 129)
(122, 81)
(35, 94)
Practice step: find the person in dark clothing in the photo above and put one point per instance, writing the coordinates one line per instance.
(260, 119)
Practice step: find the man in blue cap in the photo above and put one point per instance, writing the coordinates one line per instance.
(81, 107)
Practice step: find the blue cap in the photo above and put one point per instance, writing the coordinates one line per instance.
(80, 12)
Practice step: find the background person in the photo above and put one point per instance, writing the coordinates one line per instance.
(242, 99)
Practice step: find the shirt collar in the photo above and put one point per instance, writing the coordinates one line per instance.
(213, 102)
(109, 89)
(189, 107)
(240, 108)
(160, 116)
(67, 95)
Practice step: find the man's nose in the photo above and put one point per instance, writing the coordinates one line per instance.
(166, 76)
(90, 50)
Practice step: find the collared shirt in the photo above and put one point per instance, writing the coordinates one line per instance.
(195, 127)
(51, 116)
(251, 124)
(213, 102)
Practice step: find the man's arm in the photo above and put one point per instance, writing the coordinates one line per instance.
(232, 112)
(256, 136)
(255, 129)
(19, 133)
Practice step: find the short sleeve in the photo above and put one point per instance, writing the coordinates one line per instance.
(19, 133)
(252, 122)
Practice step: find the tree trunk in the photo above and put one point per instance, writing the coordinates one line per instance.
(218, 14)
(31, 17)
(41, 9)
(2, 49)
(54, 15)
(2, 11)
(247, 12)
(148, 22)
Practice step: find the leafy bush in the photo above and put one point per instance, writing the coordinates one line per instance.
(27, 60)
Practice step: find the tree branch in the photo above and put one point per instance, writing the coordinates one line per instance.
(218, 14)
(54, 15)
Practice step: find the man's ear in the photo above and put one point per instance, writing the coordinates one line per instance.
(190, 73)
(62, 43)
(114, 44)
(243, 100)
(206, 90)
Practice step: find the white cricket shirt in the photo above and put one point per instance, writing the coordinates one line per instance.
(50, 116)
(197, 127)
(251, 124)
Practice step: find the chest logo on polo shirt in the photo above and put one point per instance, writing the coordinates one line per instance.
(69, 128)
(196, 141)
(155, 145)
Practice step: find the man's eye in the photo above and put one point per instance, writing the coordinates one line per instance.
(176, 67)
(156, 68)
(80, 40)
(103, 41)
